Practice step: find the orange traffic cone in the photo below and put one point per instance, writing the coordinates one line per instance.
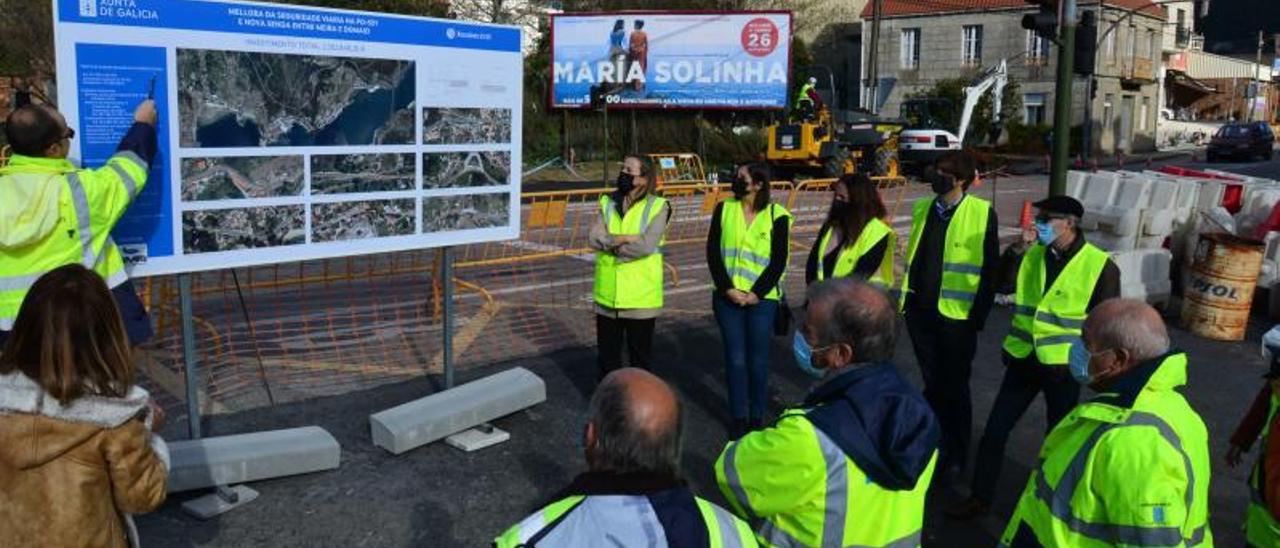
(1024, 220)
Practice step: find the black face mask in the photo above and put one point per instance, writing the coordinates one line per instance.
(739, 187)
(940, 183)
(839, 209)
(626, 182)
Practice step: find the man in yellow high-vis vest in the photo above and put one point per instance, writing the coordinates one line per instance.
(852, 465)
(632, 493)
(627, 240)
(1130, 466)
(53, 214)
(1262, 518)
(946, 294)
(1060, 279)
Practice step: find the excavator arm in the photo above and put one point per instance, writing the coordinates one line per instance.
(995, 78)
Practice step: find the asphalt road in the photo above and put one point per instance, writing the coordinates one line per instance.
(438, 496)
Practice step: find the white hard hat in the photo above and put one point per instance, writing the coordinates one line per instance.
(813, 80)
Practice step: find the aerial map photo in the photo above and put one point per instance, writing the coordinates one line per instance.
(243, 228)
(241, 177)
(249, 99)
(465, 126)
(348, 173)
(464, 169)
(361, 220)
(465, 212)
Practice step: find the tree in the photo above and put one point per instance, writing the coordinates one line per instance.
(27, 28)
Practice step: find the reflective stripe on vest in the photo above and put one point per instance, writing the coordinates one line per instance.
(870, 236)
(836, 511)
(1049, 320)
(568, 522)
(636, 283)
(1260, 527)
(1058, 498)
(962, 254)
(746, 249)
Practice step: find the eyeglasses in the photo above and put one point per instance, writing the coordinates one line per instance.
(1047, 218)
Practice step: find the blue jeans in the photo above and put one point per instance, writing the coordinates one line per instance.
(745, 331)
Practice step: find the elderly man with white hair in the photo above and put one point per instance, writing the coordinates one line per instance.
(1130, 466)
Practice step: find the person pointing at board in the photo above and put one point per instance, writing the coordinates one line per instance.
(53, 214)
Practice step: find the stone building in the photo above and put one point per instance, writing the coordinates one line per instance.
(922, 43)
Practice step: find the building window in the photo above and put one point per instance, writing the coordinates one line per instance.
(1155, 46)
(910, 56)
(1144, 49)
(1037, 49)
(1133, 44)
(971, 46)
(1033, 108)
(1144, 114)
(1108, 111)
(1110, 45)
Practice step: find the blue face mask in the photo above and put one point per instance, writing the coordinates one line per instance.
(1078, 359)
(804, 356)
(1045, 233)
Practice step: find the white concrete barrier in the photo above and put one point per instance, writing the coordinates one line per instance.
(226, 460)
(434, 417)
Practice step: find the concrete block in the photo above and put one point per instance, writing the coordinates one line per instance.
(434, 417)
(225, 460)
(216, 504)
(477, 438)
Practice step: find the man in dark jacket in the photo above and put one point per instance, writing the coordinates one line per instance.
(632, 494)
(851, 466)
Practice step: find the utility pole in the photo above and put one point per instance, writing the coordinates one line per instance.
(873, 60)
(1062, 97)
(1254, 84)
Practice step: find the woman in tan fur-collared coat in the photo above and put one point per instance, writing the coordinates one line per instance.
(77, 455)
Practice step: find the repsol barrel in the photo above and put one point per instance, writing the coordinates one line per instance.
(1219, 292)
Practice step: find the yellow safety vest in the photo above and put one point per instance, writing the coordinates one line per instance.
(724, 530)
(871, 235)
(1115, 476)
(810, 493)
(962, 254)
(746, 249)
(1048, 321)
(620, 284)
(1260, 527)
(54, 214)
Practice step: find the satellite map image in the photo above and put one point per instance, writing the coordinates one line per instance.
(348, 173)
(464, 169)
(242, 228)
(465, 212)
(457, 126)
(249, 99)
(360, 220)
(241, 177)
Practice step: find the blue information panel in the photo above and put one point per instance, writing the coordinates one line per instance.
(292, 133)
(671, 60)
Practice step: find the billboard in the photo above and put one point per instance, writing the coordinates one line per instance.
(291, 133)
(738, 60)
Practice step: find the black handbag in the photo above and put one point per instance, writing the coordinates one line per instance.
(781, 319)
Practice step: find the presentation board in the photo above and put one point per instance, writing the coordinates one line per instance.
(738, 60)
(292, 133)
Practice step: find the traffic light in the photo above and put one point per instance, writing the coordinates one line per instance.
(1045, 21)
(1086, 43)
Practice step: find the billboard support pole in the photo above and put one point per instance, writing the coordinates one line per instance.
(702, 147)
(189, 356)
(604, 155)
(446, 349)
(635, 140)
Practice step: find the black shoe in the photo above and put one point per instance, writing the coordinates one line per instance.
(969, 509)
(739, 428)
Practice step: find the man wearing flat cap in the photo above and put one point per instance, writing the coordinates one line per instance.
(1061, 278)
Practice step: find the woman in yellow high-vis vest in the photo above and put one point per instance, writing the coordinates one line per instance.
(855, 240)
(627, 240)
(747, 250)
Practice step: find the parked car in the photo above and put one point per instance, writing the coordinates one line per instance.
(1243, 140)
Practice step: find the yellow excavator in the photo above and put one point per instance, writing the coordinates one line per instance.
(821, 142)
